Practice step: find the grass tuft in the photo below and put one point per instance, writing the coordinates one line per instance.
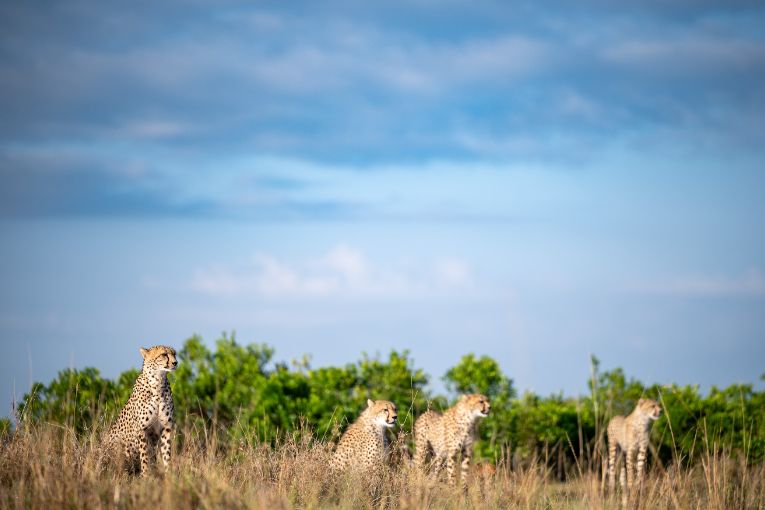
(49, 466)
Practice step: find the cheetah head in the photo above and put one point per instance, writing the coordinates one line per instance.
(159, 359)
(649, 408)
(382, 412)
(477, 405)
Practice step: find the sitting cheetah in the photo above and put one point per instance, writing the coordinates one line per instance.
(630, 435)
(148, 414)
(446, 436)
(363, 445)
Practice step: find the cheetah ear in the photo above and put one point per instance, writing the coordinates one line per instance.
(144, 352)
(370, 402)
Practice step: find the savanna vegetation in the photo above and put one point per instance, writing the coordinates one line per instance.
(258, 434)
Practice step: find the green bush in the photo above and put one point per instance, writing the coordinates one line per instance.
(240, 392)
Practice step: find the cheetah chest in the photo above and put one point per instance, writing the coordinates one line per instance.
(155, 410)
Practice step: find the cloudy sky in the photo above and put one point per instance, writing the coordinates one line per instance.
(532, 181)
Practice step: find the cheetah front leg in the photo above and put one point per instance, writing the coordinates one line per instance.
(421, 447)
(166, 437)
(451, 457)
(143, 452)
(130, 452)
(630, 467)
(440, 465)
(467, 454)
(642, 450)
(612, 451)
(623, 483)
(152, 443)
(166, 445)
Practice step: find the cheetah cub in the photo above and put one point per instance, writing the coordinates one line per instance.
(147, 418)
(630, 435)
(363, 445)
(447, 436)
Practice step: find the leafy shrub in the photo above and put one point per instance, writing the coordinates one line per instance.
(240, 392)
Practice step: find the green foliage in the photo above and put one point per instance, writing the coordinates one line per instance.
(77, 398)
(396, 380)
(5, 427)
(732, 417)
(239, 391)
(235, 389)
(484, 375)
(219, 386)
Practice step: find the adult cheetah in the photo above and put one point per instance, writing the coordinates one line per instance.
(147, 418)
(630, 434)
(363, 446)
(446, 436)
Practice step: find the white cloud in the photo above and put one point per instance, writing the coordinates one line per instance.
(453, 272)
(337, 58)
(347, 261)
(157, 129)
(265, 275)
(575, 104)
(695, 52)
(752, 283)
(342, 271)
(216, 280)
(428, 67)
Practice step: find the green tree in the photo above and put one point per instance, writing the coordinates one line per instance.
(77, 398)
(238, 391)
(396, 380)
(484, 375)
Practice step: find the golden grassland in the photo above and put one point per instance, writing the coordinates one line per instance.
(48, 466)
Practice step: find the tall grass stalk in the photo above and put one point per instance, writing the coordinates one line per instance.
(49, 466)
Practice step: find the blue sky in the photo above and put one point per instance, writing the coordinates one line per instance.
(532, 181)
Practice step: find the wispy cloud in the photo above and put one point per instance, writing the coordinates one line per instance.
(110, 180)
(344, 271)
(66, 182)
(158, 129)
(690, 54)
(751, 283)
(373, 85)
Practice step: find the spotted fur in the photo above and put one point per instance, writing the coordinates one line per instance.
(444, 437)
(630, 435)
(147, 419)
(363, 445)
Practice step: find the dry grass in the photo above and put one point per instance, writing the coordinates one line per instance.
(47, 466)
